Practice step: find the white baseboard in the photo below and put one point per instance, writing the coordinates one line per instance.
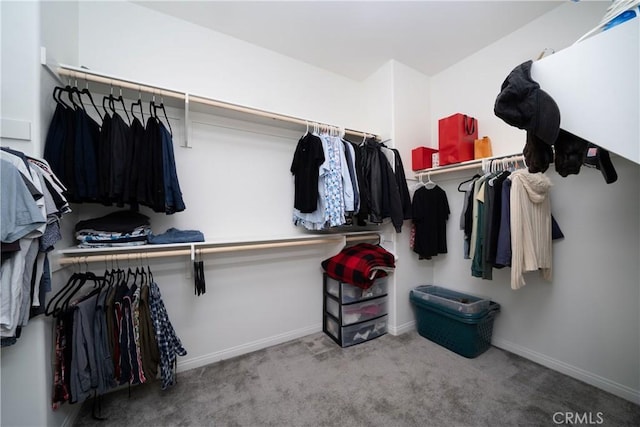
(405, 327)
(185, 365)
(605, 384)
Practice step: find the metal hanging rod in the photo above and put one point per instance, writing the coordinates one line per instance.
(93, 76)
(154, 251)
(471, 164)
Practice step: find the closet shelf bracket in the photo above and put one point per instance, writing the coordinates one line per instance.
(186, 122)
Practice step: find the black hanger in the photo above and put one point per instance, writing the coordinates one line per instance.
(111, 106)
(48, 311)
(69, 90)
(165, 117)
(76, 91)
(476, 176)
(139, 104)
(153, 110)
(72, 90)
(85, 91)
(57, 96)
(86, 277)
(124, 108)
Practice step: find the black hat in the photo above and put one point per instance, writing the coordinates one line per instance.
(521, 103)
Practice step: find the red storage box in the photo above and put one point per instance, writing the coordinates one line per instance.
(456, 137)
(421, 158)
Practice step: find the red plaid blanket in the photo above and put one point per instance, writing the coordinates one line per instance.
(360, 264)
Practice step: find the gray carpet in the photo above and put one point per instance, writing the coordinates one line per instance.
(401, 380)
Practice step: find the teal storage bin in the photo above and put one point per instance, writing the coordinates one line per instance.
(468, 334)
(457, 301)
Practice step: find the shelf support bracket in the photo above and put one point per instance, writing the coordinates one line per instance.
(185, 143)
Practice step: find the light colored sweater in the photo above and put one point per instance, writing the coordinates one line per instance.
(530, 225)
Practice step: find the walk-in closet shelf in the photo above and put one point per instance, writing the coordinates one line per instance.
(483, 164)
(108, 83)
(80, 256)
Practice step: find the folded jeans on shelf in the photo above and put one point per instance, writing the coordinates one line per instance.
(174, 235)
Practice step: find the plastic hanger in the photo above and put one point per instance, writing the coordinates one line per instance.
(86, 277)
(48, 311)
(76, 91)
(70, 91)
(476, 176)
(57, 96)
(120, 99)
(153, 110)
(152, 107)
(429, 184)
(165, 116)
(139, 104)
(109, 98)
(86, 92)
(418, 184)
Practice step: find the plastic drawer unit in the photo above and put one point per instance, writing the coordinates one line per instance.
(346, 293)
(352, 315)
(348, 314)
(350, 335)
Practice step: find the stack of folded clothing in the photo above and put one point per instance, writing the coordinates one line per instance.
(122, 228)
(359, 265)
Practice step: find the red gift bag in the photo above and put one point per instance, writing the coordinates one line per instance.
(456, 137)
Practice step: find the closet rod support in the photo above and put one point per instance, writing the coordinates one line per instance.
(185, 144)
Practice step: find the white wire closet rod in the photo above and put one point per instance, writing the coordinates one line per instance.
(471, 164)
(106, 79)
(156, 251)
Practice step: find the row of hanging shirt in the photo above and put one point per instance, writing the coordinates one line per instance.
(33, 202)
(338, 182)
(506, 218)
(110, 330)
(113, 161)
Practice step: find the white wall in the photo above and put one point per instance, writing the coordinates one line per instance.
(20, 95)
(184, 56)
(586, 322)
(20, 37)
(26, 366)
(411, 128)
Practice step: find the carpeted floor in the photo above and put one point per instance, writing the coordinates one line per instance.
(401, 380)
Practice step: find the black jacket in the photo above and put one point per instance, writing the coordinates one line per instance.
(380, 188)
